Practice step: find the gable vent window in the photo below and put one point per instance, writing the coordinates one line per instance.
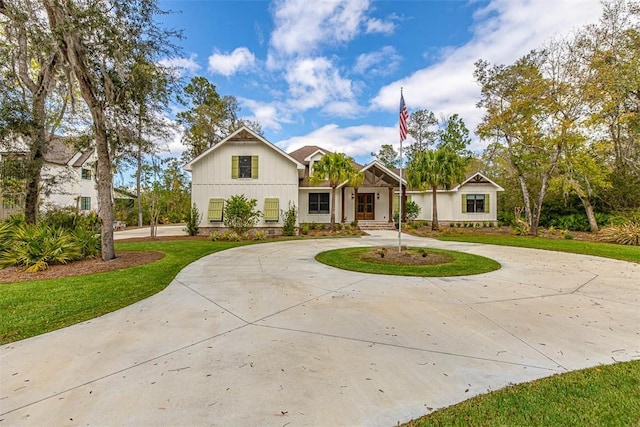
(244, 167)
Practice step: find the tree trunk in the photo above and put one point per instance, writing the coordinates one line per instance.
(36, 159)
(527, 201)
(593, 224)
(105, 188)
(434, 211)
(75, 55)
(138, 182)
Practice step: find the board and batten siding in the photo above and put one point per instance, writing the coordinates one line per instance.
(211, 177)
(450, 204)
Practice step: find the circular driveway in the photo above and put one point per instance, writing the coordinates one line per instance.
(265, 335)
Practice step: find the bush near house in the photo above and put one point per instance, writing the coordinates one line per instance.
(289, 218)
(240, 213)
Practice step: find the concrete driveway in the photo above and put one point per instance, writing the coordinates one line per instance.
(265, 335)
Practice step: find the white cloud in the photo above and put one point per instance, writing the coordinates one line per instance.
(503, 31)
(380, 62)
(269, 115)
(182, 65)
(228, 64)
(355, 141)
(375, 25)
(314, 82)
(300, 28)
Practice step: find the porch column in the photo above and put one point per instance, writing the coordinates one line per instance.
(355, 204)
(342, 215)
(390, 203)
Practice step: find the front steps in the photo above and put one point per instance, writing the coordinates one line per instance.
(376, 225)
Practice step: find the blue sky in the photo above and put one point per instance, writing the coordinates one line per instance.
(329, 73)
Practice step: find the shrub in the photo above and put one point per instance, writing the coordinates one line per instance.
(260, 235)
(240, 213)
(624, 234)
(304, 229)
(568, 235)
(338, 226)
(520, 228)
(192, 220)
(413, 210)
(289, 218)
(88, 242)
(37, 246)
(69, 219)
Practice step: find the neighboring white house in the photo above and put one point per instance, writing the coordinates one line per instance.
(68, 177)
(246, 163)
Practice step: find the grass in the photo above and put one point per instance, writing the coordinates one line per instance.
(463, 264)
(33, 308)
(602, 396)
(606, 250)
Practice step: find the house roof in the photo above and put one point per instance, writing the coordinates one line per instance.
(302, 154)
(477, 178)
(242, 134)
(59, 152)
(388, 175)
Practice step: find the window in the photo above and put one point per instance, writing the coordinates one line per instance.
(244, 167)
(85, 203)
(272, 209)
(475, 203)
(318, 203)
(214, 213)
(86, 173)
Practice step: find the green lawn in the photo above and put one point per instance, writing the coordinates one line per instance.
(33, 308)
(463, 264)
(606, 250)
(602, 396)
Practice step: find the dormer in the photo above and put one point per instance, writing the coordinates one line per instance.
(312, 158)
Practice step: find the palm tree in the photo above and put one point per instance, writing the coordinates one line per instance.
(336, 168)
(432, 169)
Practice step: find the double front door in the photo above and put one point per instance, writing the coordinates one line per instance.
(365, 207)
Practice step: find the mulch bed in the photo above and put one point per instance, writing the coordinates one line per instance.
(410, 256)
(124, 259)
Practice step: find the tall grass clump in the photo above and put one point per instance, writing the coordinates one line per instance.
(59, 238)
(623, 234)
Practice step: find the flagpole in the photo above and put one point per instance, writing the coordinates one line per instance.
(400, 194)
(400, 203)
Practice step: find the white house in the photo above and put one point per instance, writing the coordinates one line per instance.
(246, 163)
(68, 175)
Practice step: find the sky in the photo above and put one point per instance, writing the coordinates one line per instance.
(329, 73)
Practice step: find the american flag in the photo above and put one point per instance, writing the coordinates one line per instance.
(403, 118)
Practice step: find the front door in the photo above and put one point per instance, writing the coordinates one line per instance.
(365, 208)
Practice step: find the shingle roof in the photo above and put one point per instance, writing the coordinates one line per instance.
(302, 153)
(58, 152)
